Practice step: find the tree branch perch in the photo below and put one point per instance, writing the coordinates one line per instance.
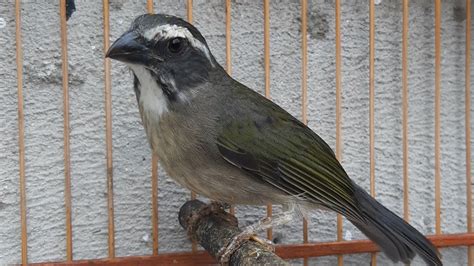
(214, 228)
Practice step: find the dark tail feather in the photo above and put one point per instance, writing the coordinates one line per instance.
(399, 240)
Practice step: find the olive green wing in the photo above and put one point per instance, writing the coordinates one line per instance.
(283, 152)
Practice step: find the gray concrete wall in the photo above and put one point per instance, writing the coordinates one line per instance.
(131, 154)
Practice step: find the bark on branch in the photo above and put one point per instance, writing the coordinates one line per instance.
(214, 228)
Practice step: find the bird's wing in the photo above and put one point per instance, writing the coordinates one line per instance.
(278, 149)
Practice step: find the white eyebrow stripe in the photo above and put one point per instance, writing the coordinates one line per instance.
(173, 31)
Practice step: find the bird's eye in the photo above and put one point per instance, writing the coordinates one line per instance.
(176, 45)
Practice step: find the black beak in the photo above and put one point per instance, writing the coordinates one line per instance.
(129, 49)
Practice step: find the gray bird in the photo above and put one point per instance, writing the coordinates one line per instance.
(224, 141)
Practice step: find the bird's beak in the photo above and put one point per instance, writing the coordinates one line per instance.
(129, 49)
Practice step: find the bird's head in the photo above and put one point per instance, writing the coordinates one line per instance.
(166, 50)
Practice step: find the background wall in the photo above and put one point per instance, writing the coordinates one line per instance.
(131, 154)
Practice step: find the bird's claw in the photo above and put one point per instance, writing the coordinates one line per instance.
(226, 252)
(266, 244)
(213, 208)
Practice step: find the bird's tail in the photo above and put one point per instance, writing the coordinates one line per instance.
(399, 240)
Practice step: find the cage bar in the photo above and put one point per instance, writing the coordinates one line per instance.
(154, 176)
(340, 260)
(372, 96)
(108, 133)
(470, 249)
(406, 210)
(266, 44)
(149, 6)
(304, 90)
(438, 115)
(373, 260)
(228, 52)
(294, 251)
(154, 202)
(304, 62)
(21, 133)
(189, 16)
(189, 11)
(67, 156)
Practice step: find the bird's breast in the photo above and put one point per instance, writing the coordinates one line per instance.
(179, 148)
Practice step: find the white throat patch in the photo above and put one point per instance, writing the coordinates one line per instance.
(173, 31)
(151, 98)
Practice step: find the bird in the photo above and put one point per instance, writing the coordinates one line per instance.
(223, 140)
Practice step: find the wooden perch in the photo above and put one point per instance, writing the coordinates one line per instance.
(214, 228)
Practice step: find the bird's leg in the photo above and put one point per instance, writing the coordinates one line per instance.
(269, 222)
(249, 232)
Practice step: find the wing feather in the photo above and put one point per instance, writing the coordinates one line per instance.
(293, 159)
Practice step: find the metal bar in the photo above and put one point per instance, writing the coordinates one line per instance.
(189, 13)
(406, 210)
(372, 96)
(305, 238)
(373, 260)
(154, 176)
(228, 51)
(266, 44)
(437, 115)
(67, 156)
(338, 81)
(340, 260)
(108, 133)
(304, 88)
(21, 133)
(149, 6)
(154, 203)
(362, 246)
(304, 62)
(284, 251)
(470, 250)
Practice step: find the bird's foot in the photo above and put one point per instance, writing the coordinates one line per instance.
(248, 233)
(213, 208)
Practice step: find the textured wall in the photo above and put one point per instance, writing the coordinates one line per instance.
(131, 154)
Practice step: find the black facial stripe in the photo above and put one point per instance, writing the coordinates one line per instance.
(136, 87)
(170, 92)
